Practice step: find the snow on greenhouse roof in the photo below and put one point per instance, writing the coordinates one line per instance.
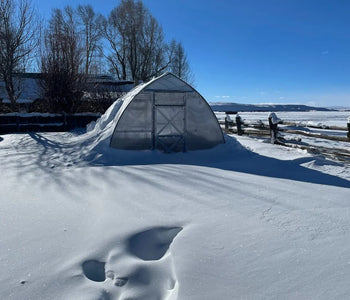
(168, 81)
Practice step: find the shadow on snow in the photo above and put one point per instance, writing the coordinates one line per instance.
(231, 156)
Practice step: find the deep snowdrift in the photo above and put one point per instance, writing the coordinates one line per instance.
(244, 220)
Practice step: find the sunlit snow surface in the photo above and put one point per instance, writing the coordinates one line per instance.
(244, 220)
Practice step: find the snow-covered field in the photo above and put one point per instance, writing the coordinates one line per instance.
(244, 220)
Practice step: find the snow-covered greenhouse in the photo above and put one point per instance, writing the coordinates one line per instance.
(165, 114)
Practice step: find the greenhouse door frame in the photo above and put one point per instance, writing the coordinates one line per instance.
(169, 129)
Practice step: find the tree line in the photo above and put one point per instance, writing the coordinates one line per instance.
(77, 42)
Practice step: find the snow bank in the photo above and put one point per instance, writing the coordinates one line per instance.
(220, 223)
(99, 133)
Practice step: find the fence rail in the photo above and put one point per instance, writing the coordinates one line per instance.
(264, 129)
(261, 129)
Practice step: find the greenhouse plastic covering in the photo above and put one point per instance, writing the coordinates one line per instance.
(166, 114)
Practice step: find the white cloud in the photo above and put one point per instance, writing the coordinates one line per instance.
(223, 97)
(325, 52)
(311, 103)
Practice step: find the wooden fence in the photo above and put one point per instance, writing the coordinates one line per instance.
(11, 123)
(262, 129)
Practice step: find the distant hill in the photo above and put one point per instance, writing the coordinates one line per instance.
(264, 107)
(343, 108)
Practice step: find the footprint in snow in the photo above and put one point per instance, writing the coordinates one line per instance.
(141, 270)
(94, 270)
(152, 244)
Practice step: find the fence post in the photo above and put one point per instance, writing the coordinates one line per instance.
(273, 123)
(228, 120)
(239, 124)
(349, 128)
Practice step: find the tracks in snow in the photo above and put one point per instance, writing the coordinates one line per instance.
(141, 269)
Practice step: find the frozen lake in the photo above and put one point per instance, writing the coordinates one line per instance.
(329, 118)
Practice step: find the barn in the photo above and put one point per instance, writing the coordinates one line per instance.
(166, 114)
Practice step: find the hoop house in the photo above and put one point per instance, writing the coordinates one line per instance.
(165, 114)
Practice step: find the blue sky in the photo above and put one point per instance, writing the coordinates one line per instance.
(256, 51)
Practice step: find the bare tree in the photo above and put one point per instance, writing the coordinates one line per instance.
(152, 50)
(115, 34)
(18, 27)
(136, 42)
(62, 61)
(91, 30)
(179, 65)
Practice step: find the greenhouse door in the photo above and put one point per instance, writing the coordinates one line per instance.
(170, 128)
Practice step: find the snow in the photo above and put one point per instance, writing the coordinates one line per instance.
(274, 119)
(244, 220)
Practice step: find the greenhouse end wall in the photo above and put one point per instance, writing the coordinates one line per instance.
(167, 115)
